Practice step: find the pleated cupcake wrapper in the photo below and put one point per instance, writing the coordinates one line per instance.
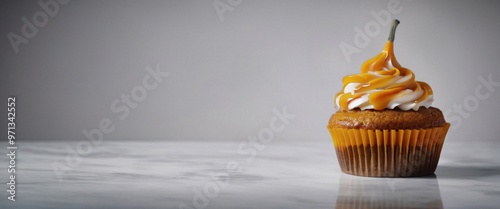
(389, 153)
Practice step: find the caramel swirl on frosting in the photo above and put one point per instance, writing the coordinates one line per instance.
(384, 84)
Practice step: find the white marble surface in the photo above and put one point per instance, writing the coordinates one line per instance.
(285, 174)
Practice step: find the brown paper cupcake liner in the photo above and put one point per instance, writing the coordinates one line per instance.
(388, 153)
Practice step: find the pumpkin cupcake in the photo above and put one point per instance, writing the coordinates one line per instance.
(385, 125)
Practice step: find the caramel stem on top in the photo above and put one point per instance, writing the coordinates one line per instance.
(394, 25)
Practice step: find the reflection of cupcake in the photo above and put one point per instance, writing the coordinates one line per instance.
(385, 126)
(359, 192)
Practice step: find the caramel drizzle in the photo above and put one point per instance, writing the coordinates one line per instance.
(382, 73)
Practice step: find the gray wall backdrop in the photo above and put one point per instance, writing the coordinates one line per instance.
(226, 76)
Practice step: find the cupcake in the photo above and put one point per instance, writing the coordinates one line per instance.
(385, 125)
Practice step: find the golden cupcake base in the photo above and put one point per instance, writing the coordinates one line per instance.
(389, 153)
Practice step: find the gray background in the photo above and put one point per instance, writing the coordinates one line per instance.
(227, 76)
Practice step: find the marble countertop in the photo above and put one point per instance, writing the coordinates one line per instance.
(281, 174)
